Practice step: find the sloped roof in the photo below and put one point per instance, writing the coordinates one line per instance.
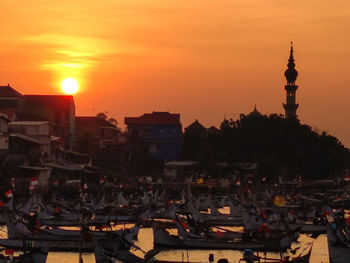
(196, 126)
(154, 118)
(25, 138)
(8, 92)
(14, 123)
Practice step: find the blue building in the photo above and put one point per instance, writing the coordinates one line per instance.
(158, 133)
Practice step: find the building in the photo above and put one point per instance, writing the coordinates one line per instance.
(9, 101)
(4, 135)
(59, 110)
(291, 75)
(196, 127)
(157, 133)
(39, 130)
(102, 131)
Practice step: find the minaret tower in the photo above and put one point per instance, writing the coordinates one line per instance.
(291, 75)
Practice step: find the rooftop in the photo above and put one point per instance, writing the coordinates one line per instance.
(154, 118)
(35, 168)
(13, 123)
(25, 138)
(49, 100)
(8, 92)
(196, 126)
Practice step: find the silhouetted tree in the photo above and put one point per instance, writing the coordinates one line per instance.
(101, 115)
(281, 146)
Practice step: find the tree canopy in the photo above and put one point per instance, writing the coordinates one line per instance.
(281, 146)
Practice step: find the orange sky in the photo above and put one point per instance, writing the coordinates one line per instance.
(200, 58)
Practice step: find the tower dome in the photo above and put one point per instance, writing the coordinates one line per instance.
(291, 73)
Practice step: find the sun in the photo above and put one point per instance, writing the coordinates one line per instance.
(69, 86)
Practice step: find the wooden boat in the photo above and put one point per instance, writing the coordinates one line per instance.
(55, 245)
(215, 218)
(338, 244)
(162, 238)
(21, 230)
(309, 228)
(70, 217)
(60, 240)
(250, 257)
(338, 236)
(34, 256)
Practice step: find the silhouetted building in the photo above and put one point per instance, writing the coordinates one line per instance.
(101, 130)
(213, 130)
(291, 75)
(4, 135)
(39, 130)
(9, 101)
(59, 110)
(195, 127)
(254, 113)
(158, 133)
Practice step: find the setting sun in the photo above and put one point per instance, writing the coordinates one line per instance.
(69, 86)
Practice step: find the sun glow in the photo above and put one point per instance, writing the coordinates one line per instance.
(69, 86)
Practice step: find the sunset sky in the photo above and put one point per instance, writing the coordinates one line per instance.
(199, 58)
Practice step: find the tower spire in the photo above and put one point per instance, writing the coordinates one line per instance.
(291, 75)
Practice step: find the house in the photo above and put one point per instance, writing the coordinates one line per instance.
(102, 131)
(195, 127)
(9, 101)
(4, 136)
(23, 150)
(39, 130)
(157, 133)
(59, 110)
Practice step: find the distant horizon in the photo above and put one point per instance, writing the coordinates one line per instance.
(201, 59)
(120, 120)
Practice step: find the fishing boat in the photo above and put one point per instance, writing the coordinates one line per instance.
(338, 238)
(54, 245)
(35, 230)
(22, 234)
(184, 239)
(249, 256)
